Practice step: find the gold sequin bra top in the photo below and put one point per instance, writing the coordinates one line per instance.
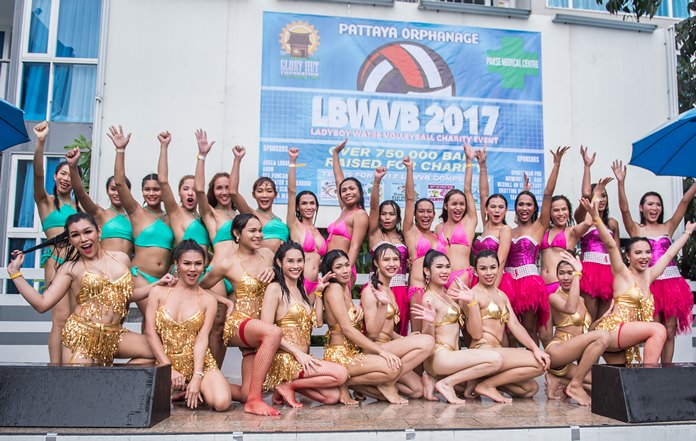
(297, 325)
(249, 293)
(639, 308)
(575, 319)
(178, 338)
(98, 293)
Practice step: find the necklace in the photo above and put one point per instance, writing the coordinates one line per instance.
(269, 216)
(159, 216)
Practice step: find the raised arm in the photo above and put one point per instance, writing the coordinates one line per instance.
(545, 215)
(470, 214)
(163, 174)
(204, 147)
(40, 195)
(466, 299)
(290, 217)
(336, 165)
(120, 141)
(481, 157)
(58, 288)
(73, 158)
(673, 222)
(373, 225)
(671, 252)
(374, 302)
(586, 188)
(237, 199)
(410, 190)
(569, 305)
(632, 227)
(617, 264)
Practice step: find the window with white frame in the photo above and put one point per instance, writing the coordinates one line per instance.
(23, 222)
(4, 60)
(668, 8)
(59, 60)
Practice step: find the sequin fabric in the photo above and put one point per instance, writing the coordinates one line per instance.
(98, 294)
(346, 354)
(249, 299)
(96, 341)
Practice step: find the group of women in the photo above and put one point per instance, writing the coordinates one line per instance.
(211, 271)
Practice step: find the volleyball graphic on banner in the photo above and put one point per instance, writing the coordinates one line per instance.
(408, 68)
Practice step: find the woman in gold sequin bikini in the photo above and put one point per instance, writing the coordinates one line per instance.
(249, 270)
(345, 341)
(287, 305)
(572, 340)
(630, 319)
(442, 317)
(382, 317)
(179, 319)
(101, 286)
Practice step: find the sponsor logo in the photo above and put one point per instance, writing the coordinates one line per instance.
(298, 42)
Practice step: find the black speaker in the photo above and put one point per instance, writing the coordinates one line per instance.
(41, 395)
(645, 393)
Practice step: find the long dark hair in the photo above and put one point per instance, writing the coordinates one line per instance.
(278, 270)
(397, 210)
(61, 243)
(535, 215)
(239, 223)
(661, 217)
(498, 196)
(605, 214)
(445, 215)
(559, 197)
(56, 199)
(430, 256)
(111, 178)
(298, 196)
(376, 255)
(361, 199)
(212, 201)
(328, 260)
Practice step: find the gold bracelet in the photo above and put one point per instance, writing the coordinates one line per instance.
(319, 294)
(474, 303)
(597, 221)
(200, 156)
(469, 164)
(121, 150)
(292, 165)
(577, 273)
(16, 275)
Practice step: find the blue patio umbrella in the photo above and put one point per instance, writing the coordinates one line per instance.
(670, 150)
(12, 128)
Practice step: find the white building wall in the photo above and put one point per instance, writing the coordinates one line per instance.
(180, 65)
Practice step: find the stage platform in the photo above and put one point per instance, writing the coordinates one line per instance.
(536, 419)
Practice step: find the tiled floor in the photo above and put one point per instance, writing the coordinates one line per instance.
(369, 416)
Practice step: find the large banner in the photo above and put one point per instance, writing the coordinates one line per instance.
(399, 89)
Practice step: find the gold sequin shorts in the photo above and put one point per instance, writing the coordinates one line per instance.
(344, 355)
(92, 340)
(284, 368)
(183, 363)
(234, 326)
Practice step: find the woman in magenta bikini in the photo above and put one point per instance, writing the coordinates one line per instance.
(302, 212)
(418, 218)
(673, 298)
(459, 224)
(385, 227)
(529, 300)
(597, 279)
(348, 231)
(497, 233)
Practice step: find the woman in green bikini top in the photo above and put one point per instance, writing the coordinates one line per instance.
(54, 210)
(274, 230)
(153, 240)
(116, 230)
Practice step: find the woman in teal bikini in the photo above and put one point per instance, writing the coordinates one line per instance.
(116, 230)
(274, 230)
(152, 237)
(53, 210)
(217, 213)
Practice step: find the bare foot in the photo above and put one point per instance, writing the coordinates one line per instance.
(345, 397)
(578, 394)
(277, 398)
(429, 387)
(258, 407)
(470, 390)
(554, 387)
(391, 393)
(288, 393)
(492, 393)
(447, 391)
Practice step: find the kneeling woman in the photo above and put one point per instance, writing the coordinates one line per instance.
(99, 284)
(375, 372)
(520, 367)
(382, 317)
(571, 340)
(630, 320)
(179, 319)
(287, 305)
(442, 317)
